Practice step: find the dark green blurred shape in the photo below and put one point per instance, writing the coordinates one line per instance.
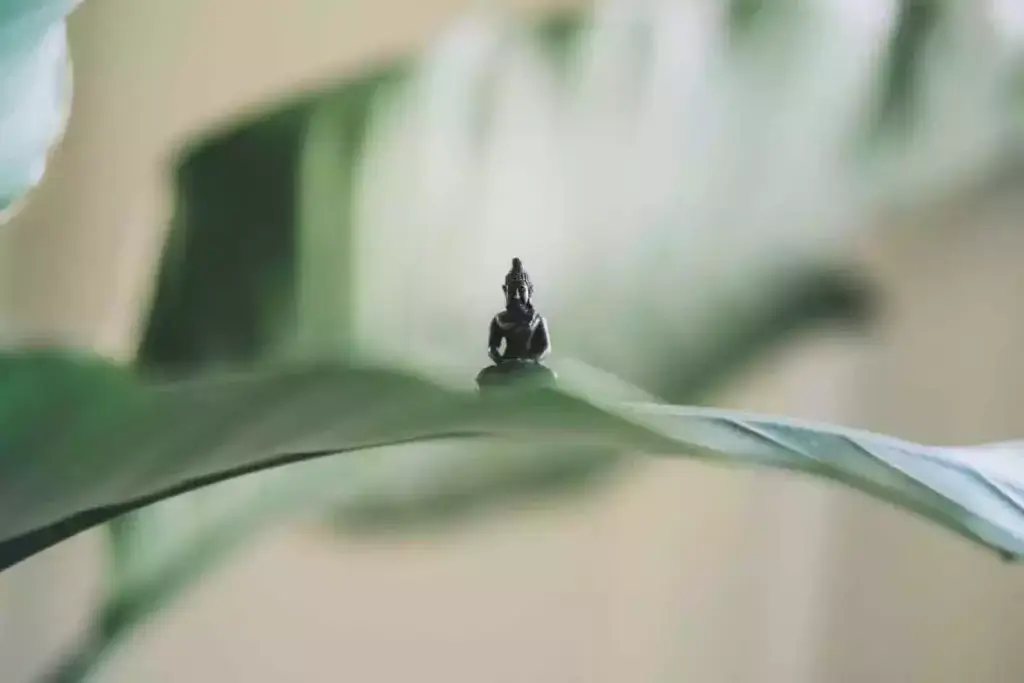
(915, 26)
(228, 285)
(744, 14)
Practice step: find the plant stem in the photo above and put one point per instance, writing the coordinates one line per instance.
(80, 662)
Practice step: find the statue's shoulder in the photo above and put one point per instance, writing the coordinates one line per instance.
(503, 320)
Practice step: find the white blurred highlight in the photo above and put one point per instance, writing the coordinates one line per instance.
(654, 181)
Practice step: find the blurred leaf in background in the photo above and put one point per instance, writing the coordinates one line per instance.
(35, 92)
(680, 189)
(945, 119)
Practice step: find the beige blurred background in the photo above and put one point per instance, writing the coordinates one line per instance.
(679, 572)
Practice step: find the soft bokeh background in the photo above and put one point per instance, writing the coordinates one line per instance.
(676, 571)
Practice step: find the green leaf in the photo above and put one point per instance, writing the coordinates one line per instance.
(124, 445)
(243, 242)
(35, 91)
(64, 481)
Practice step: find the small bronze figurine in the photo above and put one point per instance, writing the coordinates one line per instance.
(521, 328)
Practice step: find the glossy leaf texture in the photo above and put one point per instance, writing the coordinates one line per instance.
(35, 92)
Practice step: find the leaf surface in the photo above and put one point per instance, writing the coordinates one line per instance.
(121, 445)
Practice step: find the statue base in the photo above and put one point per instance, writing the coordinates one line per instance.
(516, 374)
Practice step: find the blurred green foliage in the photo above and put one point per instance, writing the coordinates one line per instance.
(260, 270)
(915, 25)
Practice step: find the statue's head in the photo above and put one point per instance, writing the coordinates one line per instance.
(517, 285)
